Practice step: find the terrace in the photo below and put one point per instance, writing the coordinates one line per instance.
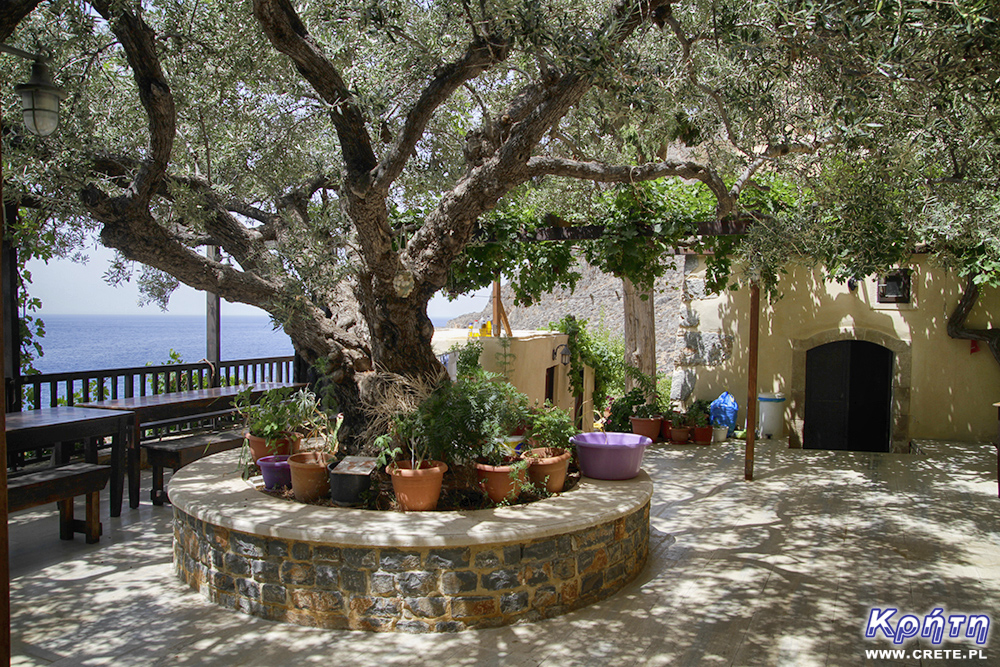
(781, 570)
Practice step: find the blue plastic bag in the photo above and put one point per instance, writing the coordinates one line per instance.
(723, 412)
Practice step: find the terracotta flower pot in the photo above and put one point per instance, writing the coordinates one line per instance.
(259, 446)
(547, 467)
(702, 435)
(499, 483)
(665, 427)
(680, 435)
(417, 489)
(310, 479)
(649, 427)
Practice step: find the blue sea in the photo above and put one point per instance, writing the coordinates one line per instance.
(91, 342)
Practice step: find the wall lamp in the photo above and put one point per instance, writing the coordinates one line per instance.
(563, 356)
(39, 97)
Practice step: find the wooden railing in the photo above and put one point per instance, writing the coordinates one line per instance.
(52, 389)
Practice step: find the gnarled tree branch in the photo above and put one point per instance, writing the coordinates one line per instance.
(956, 323)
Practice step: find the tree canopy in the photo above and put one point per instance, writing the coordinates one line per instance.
(344, 155)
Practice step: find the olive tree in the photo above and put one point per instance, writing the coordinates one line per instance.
(344, 155)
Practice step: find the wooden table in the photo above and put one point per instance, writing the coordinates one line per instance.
(174, 405)
(35, 429)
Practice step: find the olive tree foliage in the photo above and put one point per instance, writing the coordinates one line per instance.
(300, 139)
(344, 155)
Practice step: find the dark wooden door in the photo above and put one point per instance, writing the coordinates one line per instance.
(848, 397)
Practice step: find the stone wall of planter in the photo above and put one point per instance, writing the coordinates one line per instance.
(409, 590)
(432, 571)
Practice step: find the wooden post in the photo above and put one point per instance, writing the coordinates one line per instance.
(11, 320)
(213, 321)
(4, 532)
(752, 381)
(497, 307)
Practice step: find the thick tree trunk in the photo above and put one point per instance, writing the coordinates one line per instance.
(640, 331)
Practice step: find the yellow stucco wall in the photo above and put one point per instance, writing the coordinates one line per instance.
(532, 357)
(951, 391)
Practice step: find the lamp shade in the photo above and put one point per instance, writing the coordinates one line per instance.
(40, 101)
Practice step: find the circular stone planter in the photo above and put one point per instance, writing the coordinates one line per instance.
(405, 572)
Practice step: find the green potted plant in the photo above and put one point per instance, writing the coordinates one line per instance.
(698, 417)
(680, 431)
(494, 409)
(548, 459)
(277, 422)
(622, 409)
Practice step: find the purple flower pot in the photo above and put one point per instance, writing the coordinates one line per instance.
(610, 455)
(276, 471)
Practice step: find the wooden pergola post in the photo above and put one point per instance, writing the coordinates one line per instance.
(4, 532)
(752, 380)
(213, 324)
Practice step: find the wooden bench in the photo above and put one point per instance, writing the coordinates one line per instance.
(178, 452)
(61, 485)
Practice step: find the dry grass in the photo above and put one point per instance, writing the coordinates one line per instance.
(385, 395)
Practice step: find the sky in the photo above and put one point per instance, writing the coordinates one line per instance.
(69, 288)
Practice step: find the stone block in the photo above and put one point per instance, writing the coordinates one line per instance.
(302, 551)
(277, 548)
(512, 554)
(327, 575)
(353, 581)
(378, 607)
(447, 559)
(705, 348)
(592, 584)
(412, 627)
(428, 607)
(248, 588)
(459, 582)
(321, 601)
(383, 583)
(417, 584)
(564, 568)
(499, 580)
(273, 594)
(545, 596)
(298, 574)
(598, 535)
(449, 626)
(362, 559)
(682, 383)
(223, 582)
(323, 552)
(371, 624)
(473, 606)
(542, 550)
(395, 560)
(487, 559)
(513, 603)
(266, 570)
(237, 565)
(248, 545)
(533, 576)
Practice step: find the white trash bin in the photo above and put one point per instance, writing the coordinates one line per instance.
(770, 415)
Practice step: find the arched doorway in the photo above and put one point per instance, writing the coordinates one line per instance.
(848, 396)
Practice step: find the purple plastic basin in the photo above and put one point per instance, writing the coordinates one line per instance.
(610, 455)
(276, 471)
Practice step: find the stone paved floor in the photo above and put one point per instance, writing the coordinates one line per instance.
(780, 571)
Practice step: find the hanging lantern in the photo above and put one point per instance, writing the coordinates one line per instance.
(40, 101)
